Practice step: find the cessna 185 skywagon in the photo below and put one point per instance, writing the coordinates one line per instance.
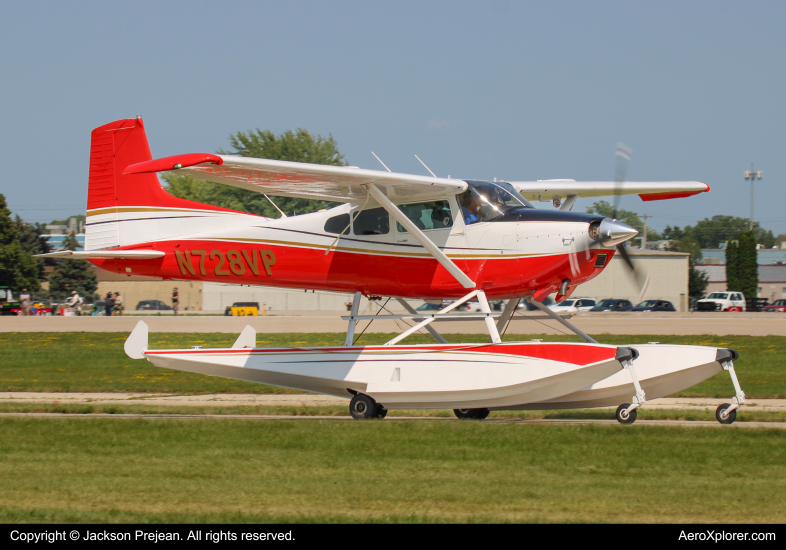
(398, 236)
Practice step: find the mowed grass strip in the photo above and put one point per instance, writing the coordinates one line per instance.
(95, 470)
(745, 414)
(96, 362)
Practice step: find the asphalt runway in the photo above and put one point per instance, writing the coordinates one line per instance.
(719, 324)
(524, 421)
(311, 400)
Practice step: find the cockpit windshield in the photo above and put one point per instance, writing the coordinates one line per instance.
(485, 201)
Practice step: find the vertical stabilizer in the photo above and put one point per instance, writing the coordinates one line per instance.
(114, 198)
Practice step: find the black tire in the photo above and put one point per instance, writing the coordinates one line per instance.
(382, 412)
(730, 418)
(362, 406)
(629, 418)
(471, 414)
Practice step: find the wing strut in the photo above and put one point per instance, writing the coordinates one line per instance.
(413, 230)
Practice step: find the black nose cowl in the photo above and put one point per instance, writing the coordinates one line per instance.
(524, 214)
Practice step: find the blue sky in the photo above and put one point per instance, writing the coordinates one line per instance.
(512, 90)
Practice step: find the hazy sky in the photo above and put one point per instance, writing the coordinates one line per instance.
(512, 90)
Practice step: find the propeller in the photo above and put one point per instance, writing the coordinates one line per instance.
(624, 155)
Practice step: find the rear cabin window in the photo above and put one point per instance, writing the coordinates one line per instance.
(427, 215)
(375, 221)
(337, 224)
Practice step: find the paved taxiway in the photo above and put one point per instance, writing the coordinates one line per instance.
(668, 423)
(749, 324)
(309, 400)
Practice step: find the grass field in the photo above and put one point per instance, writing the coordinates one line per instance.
(93, 470)
(95, 362)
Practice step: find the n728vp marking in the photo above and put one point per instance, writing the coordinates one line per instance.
(234, 261)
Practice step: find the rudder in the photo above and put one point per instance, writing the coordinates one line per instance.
(113, 197)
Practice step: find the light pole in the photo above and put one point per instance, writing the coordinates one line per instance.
(752, 175)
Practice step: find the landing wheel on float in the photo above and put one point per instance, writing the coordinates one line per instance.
(471, 414)
(625, 417)
(362, 406)
(725, 417)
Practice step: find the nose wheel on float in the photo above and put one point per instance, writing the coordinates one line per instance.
(727, 413)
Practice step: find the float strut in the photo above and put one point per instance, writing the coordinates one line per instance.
(352, 321)
(556, 317)
(638, 399)
(726, 358)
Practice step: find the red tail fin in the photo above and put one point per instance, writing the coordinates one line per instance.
(113, 147)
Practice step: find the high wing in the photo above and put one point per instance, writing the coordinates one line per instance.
(547, 190)
(298, 179)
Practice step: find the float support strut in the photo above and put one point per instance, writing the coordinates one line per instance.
(507, 313)
(739, 398)
(429, 328)
(638, 399)
(352, 321)
(556, 317)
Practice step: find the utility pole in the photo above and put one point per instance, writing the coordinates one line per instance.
(644, 237)
(752, 175)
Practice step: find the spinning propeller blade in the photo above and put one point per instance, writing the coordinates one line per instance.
(624, 155)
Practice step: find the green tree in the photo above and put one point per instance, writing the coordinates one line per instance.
(71, 275)
(687, 244)
(33, 240)
(710, 232)
(18, 268)
(673, 233)
(697, 283)
(732, 266)
(748, 266)
(298, 146)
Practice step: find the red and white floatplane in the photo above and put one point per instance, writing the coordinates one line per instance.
(395, 235)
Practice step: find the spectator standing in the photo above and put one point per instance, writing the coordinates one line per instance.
(76, 302)
(175, 300)
(109, 304)
(118, 304)
(25, 301)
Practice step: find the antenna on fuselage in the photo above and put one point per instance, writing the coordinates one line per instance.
(275, 206)
(426, 167)
(380, 161)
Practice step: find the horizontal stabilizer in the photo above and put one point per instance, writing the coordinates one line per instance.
(105, 254)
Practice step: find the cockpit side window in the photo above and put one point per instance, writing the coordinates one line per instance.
(427, 215)
(485, 201)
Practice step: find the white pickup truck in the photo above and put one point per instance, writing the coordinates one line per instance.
(722, 301)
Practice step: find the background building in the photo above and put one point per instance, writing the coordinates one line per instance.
(668, 273)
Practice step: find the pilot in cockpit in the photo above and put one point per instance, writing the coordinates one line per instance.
(469, 207)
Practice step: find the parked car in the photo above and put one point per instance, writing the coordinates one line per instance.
(573, 305)
(495, 305)
(156, 305)
(654, 305)
(776, 306)
(613, 304)
(436, 307)
(722, 301)
(228, 310)
(548, 302)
